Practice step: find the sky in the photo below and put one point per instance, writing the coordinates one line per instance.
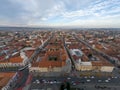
(60, 13)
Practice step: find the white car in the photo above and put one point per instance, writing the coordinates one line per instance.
(51, 82)
(68, 78)
(88, 80)
(106, 80)
(74, 83)
(92, 77)
(115, 77)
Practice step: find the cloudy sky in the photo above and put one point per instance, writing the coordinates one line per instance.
(77, 13)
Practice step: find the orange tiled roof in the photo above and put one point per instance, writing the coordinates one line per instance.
(29, 53)
(4, 78)
(50, 63)
(15, 59)
(101, 63)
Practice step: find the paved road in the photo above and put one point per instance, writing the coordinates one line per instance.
(22, 77)
(72, 60)
(88, 82)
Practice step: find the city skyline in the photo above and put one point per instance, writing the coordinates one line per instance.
(55, 13)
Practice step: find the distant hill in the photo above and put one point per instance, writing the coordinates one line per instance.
(50, 28)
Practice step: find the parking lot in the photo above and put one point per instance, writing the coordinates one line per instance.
(42, 83)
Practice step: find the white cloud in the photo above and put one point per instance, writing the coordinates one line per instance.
(92, 23)
(43, 19)
(79, 12)
(99, 9)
